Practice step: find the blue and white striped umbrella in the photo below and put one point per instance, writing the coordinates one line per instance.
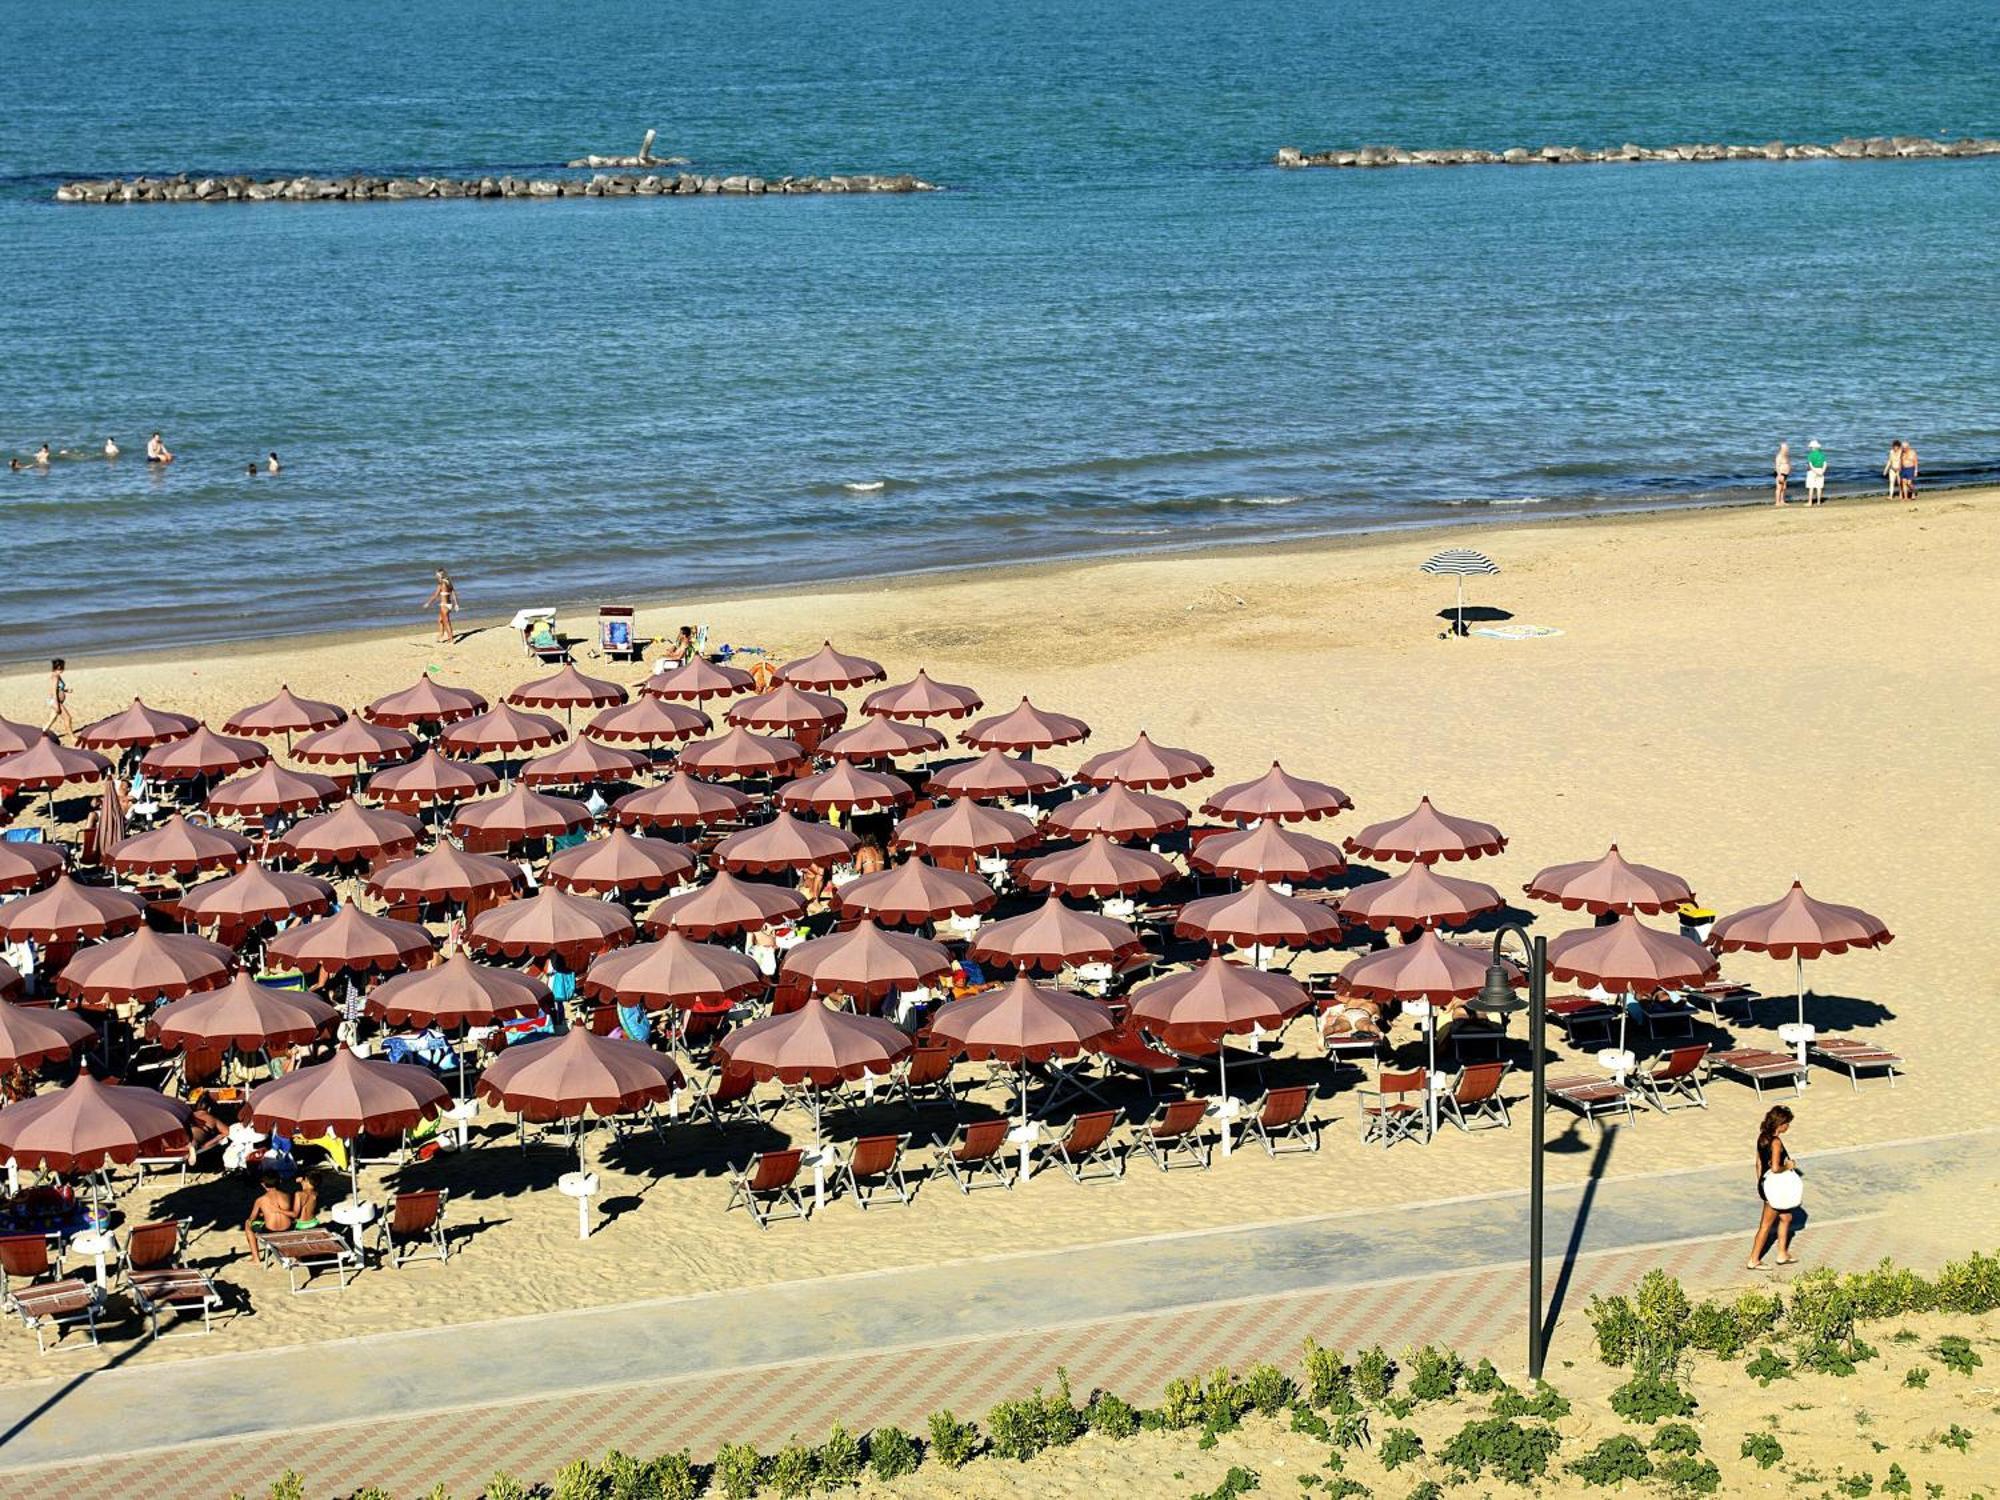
(1459, 562)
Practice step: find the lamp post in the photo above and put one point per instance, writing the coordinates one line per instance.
(1497, 997)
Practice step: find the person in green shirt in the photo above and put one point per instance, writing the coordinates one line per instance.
(1815, 473)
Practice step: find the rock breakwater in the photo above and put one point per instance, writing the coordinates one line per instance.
(186, 188)
(1852, 148)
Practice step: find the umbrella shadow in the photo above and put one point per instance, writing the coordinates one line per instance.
(1838, 1012)
(1475, 614)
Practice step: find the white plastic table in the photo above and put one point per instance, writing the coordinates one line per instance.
(460, 1114)
(580, 1186)
(1619, 1064)
(355, 1214)
(819, 1158)
(1226, 1112)
(1798, 1035)
(1026, 1137)
(96, 1243)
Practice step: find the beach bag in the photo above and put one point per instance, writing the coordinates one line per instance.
(1784, 1191)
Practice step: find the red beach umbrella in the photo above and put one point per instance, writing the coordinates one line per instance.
(1259, 917)
(726, 906)
(1628, 956)
(830, 670)
(816, 1044)
(426, 702)
(519, 816)
(788, 707)
(1426, 836)
(921, 698)
(1144, 764)
(31, 1035)
(1267, 850)
(578, 1073)
(914, 893)
(352, 832)
(784, 843)
(846, 787)
(696, 679)
(1022, 1022)
(431, 780)
(1053, 937)
(567, 689)
(198, 754)
(648, 721)
(741, 753)
(178, 847)
(1419, 897)
(1025, 727)
(271, 788)
(881, 739)
(1098, 867)
(355, 742)
(1797, 927)
(675, 971)
(243, 1014)
(1118, 813)
(1278, 795)
(254, 895)
(502, 731)
(446, 874)
(145, 965)
(352, 941)
(457, 992)
(994, 776)
(65, 912)
(1610, 884)
(620, 864)
(28, 867)
(1215, 999)
(14, 738)
(136, 728)
(1426, 968)
(286, 714)
(582, 762)
(80, 1128)
(347, 1097)
(680, 802)
(866, 963)
(45, 765)
(551, 924)
(964, 830)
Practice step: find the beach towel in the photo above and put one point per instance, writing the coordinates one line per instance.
(1515, 632)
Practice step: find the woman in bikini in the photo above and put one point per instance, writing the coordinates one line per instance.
(1772, 1160)
(445, 595)
(1782, 471)
(58, 700)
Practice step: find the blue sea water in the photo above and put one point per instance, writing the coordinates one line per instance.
(1119, 328)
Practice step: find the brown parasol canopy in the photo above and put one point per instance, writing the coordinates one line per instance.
(199, 754)
(273, 788)
(866, 963)
(741, 753)
(1118, 813)
(14, 738)
(994, 776)
(457, 992)
(551, 924)
(621, 864)
(1267, 850)
(352, 941)
(352, 832)
(1797, 927)
(815, 1044)
(1098, 867)
(65, 912)
(1054, 936)
(254, 895)
(784, 843)
(28, 867)
(1278, 795)
(675, 971)
(355, 742)
(680, 802)
(144, 965)
(45, 765)
(881, 739)
(347, 1097)
(426, 702)
(1610, 884)
(1427, 968)
(80, 1128)
(1144, 764)
(696, 679)
(139, 727)
(1216, 998)
(31, 1035)
(648, 721)
(520, 815)
(446, 873)
(1419, 897)
(828, 669)
(846, 787)
(1025, 727)
(505, 730)
(567, 689)
(243, 1014)
(1628, 956)
(964, 829)
(725, 906)
(431, 780)
(582, 762)
(576, 1073)
(178, 847)
(1022, 1022)
(1258, 916)
(285, 714)
(1427, 835)
(788, 707)
(913, 893)
(922, 698)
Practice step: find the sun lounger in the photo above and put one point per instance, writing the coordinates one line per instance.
(1758, 1066)
(1474, 1041)
(1176, 1131)
(877, 1162)
(1128, 1051)
(977, 1150)
(1393, 1110)
(1664, 1015)
(157, 1280)
(307, 1252)
(413, 1229)
(1088, 1144)
(1280, 1121)
(927, 1075)
(1718, 995)
(1854, 1056)
(56, 1306)
(769, 1186)
(616, 636)
(1590, 1095)
(1584, 1020)
(1675, 1076)
(1475, 1097)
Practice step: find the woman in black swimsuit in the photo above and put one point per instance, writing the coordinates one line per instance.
(1772, 1157)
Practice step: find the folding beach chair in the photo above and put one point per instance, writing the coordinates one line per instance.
(1088, 1144)
(616, 637)
(768, 1186)
(927, 1075)
(1393, 1110)
(1854, 1056)
(157, 1280)
(1758, 1066)
(1591, 1096)
(977, 1150)
(1281, 1123)
(413, 1229)
(307, 1252)
(733, 1098)
(1176, 1130)
(30, 1257)
(1475, 1096)
(875, 1161)
(57, 1306)
(1675, 1076)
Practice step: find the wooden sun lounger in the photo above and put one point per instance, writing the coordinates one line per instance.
(1757, 1066)
(1591, 1096)
(176, 1290)
(1853, 1056)
(308, 1252)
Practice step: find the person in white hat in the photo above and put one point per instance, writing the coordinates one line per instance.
(1815, 473)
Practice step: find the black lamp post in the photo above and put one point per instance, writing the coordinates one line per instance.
(1498, 998)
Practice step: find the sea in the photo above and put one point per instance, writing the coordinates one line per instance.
(1119, 328)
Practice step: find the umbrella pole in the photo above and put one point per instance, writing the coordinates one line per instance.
(1461, 604)
(1799, 963)
(1430, 1077)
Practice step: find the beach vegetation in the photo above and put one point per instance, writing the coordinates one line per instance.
(1427, 1489)
(1502, 1447)
(672, 1476)
(892, 1453)
(1855, 1485)
(1268, 1390)
(1767, 1365)
(1650, 1399)
(504, 1486)
(1917, 1377)
(1895, 1482)
(838, 1462)
(1399, 1446)
(1374, 1375)
(1762, 1449)
(1111, 1416)
(736, 1470)
(1434, 1373)
(1548, 1403)
(791, 1470)
(952, 1442)
(580, 1480)
(1957, 1437)
(1329, 1380)
(290, 1485)
(1348, 1429)
(1238, 1481)
(1676, 1437)
(1612, 1462)
(1310, 1422)
(1482, 1379)
(1180, 1405)
(1955, 1352)
(1685, 1474)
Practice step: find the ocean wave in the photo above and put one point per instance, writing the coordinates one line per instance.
(864, 486)
(1260, 500)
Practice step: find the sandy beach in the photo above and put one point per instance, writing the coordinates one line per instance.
(1743, 696)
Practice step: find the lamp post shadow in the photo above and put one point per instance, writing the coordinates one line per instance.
(1606, 1139)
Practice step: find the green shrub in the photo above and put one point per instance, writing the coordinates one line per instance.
(1329, 1382)
(1399, 1446)
(737, 1466)
(673, 1477)
(892, 1453)
(1955, 1352)
(1757, 1313)
(1684, 1474)
(1762, 1449)
(1820, 1321)
(1501, 1447)
(1612, 1462)
(1968, 1286)
(1768, 1365)
(1957, 1437)
(1855, 1485)
(1111, 1416)
(1062, 1422)
(1222, 1402)
(1547, 1403)
(581, 1480)
(1427, 1489)
(290, 1485)
(1344, 1488)
(1180, 1405)
(791, 1470)
(1616, 1327)
(1676, 1437)
(837, 1464)
(1238, 1481)
(1348, 1429)
(1896, 1482)
(624, 1477)
(1648, 1398)
(1917, 1377)
(376, 1492)
(1014, 1429)
(1887, 1290)
(1374, 1374)
(1268, 1389)
(504, 1486)
(1482, 1379)
(1435, 1374)
(952, 1441)
(1713, 1329)
(1662, 1311)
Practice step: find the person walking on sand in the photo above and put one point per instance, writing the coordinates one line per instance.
(1909, 471)
(58, 700)
(1780, 1187)
(1893, 469)
(1782, 472)
(1815, 473)
(445, 595)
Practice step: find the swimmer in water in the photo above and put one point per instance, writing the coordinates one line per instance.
(110, 448)
(272, 466)
(42, 456)
(250, 471)
(156, 451)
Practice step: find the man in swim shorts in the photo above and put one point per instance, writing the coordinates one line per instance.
(1908, 473)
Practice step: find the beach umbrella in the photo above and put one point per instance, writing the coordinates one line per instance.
(1025, 727)
(1267, 850)
(1213, 1000)
(426, 702)
(64, 912)
(1797, 927)
(14, 738)
(913, 893)
(648, 721)
(830, 670)
(569, 690)
(29, 867)
(881, 739)
(551, 924)
(922, 698)
(1419, 897)
(11, 982)
(144, 965)
(815, 1045)
(1097, 867)
(272, 788)
(199, 754)
(139, 727)
(1258, 917)
(31, 1035)
(696, 679)
(680, 802)
(431, 780)
(1278, 796)
(582, 762)
(254, 895)
(178, 847)
(521, 815)
(994, 776)
(444, 874)
(1426, 968)
(741, 753)
(243, 1014)
(1020, 1023)
(505, 730)
(1425, 836)
(578, 1073)
(1610, 884)
(1118, 813)
(1460, 563)
(966, 829)
(866, 963)
(347, 1098)
(107, 823)
(355, 742)
(45, 765)
(675, 971)
(80, 1128)
(1053, 937)
(1628, 957)
(620, 865)
(1143, 764)
(352, 833)
(457, 992)
(352, 942)
(726, 906)
(846, 787)
(788, 708)
(286, 714)
(784, 843)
